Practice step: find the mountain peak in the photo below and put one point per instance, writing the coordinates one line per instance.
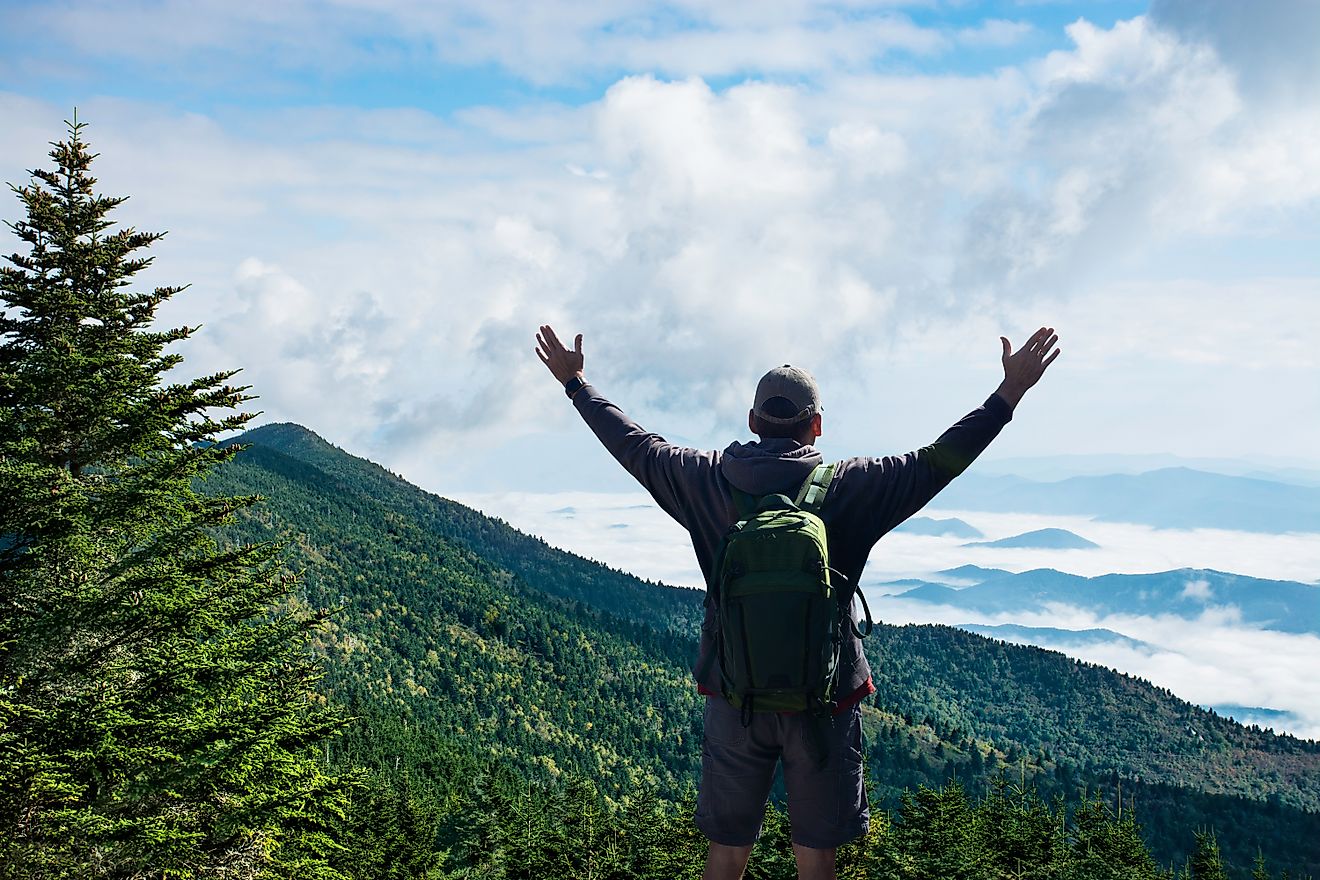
(280, 435)
(1045, 539)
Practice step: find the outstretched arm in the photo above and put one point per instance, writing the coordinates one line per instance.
(906, 483)
(672, 474)
(1024, 367)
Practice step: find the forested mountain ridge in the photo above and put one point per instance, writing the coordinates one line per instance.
(501, 646)
(551, 570)
(432, 633)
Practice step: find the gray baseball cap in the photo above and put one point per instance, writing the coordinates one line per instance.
(793, 384)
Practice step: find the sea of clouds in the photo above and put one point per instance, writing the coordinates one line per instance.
(1212, 660)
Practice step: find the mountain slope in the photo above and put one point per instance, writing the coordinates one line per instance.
(499, 646)
(510, 660)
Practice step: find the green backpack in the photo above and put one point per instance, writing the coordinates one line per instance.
(780, 613)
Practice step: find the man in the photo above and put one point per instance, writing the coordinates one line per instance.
(866, 498)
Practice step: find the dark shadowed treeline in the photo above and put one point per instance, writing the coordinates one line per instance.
(501, 825)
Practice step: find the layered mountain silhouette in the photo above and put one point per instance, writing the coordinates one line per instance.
(1285, 606)
(1041, 539)
(1053, 637)
(951, 527)
(1167, 498)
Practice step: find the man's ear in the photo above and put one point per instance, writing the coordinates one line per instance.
(751, 420)
(815, 425)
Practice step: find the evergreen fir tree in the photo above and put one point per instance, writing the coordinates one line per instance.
(684, 856)
(772, 858)
(481, 825)
(158, 714)
(642, 820)
(1105, 846)
(936, 835)
(391, 830)
(1205, 863)
(874, 855)
(1021, 836)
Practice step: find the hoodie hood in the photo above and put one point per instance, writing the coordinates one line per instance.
(766, 466)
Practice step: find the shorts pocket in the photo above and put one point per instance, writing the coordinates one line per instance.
(723, 723)
(851, 789)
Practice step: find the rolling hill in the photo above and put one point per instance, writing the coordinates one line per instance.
(951, 527)
(1052, 637)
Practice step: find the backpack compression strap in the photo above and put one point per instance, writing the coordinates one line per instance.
(812, 494)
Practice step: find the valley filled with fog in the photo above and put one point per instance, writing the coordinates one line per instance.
(1187, 633)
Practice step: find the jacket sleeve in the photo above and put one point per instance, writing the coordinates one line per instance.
(893, 488)
(667, 471)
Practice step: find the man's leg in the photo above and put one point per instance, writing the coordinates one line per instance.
(826, 803)
(726, 862)
(814, 864)
(737, 769)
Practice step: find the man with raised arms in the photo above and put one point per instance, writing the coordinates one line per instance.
(866, 498)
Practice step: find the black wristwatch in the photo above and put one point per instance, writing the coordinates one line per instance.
(573, 386)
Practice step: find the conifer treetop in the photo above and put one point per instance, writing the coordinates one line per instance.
(72, 323)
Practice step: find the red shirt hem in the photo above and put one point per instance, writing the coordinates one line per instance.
(867, 688)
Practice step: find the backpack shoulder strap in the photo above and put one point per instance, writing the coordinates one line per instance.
(812, 494)
(743, 503)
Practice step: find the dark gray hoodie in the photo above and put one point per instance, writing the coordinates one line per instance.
(868, 497)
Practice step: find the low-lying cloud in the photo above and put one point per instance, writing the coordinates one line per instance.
(1212, 659)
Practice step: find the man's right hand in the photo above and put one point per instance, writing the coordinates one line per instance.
(1024, 367)
(561, 362)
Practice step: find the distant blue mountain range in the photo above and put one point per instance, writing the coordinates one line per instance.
(1059, 467)
(1167, 498)
(968, 574)
(1284, 606)
(952, 527)
(1258, 715)
(1055, 638)
(1041, 539)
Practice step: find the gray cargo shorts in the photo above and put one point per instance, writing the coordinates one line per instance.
(827, 806)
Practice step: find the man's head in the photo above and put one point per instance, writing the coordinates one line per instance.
(787, 405)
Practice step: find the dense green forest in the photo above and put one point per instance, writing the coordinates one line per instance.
(350, 677)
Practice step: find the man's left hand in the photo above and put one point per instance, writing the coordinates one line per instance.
(564, 364)
(1024, 367)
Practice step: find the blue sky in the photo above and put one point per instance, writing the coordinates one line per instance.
(376, 202)
(390, 66)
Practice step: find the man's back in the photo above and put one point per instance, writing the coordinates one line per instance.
(821, 754)
(867, 498)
